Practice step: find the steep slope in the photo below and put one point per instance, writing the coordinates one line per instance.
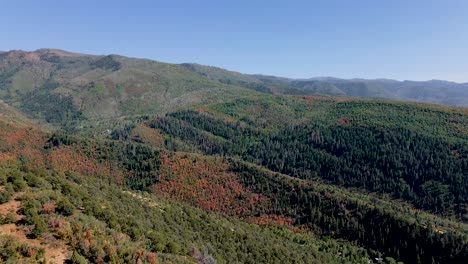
(78, 190)
(412, 152)
(75, 199)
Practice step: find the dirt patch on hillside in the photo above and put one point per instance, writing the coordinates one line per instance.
(56, 251)
(11, 206)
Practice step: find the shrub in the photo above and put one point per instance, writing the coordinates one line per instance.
(10, 218)
(5, 196)
(40, 227)
(172, 248)
(34, 180)
(3, 177)
(65, 208)
(19, 184)
(49, 207)
(31, 209)
(77, 259)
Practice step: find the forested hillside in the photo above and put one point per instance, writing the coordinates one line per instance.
(108, 159)
(68, 89)
(76, 91)
(401, 161)
(423, 162)
(67, 198)
(433, 91)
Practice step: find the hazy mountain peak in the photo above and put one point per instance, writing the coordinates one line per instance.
(324, 78)
(17, 56)
(57, 52)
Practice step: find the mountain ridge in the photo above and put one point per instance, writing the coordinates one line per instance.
(65, 53)
(77, 91)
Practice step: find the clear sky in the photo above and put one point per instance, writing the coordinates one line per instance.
(400, 39)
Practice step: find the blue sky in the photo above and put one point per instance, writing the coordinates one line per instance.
(411, 39)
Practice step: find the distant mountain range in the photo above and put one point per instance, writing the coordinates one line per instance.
(59, 86)
(433, 91)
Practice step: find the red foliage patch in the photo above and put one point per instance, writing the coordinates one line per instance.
(22, 142)
(272, 219)
(49, 207)
(152, 258)
(313, 98)
(15, 137)
(6, 156)
(206, 183)
(72, 158)
(148, 135)
(344, 121)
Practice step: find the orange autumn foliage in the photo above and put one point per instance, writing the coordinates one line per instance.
(344, 121)
(71, 158)
(272, 219)
(148, 135)
(22, 142)
(6, 156)
(206, 183)
(313, 98)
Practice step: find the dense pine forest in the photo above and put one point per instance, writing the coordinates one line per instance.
(398, 169)
(422, 169)
(92, 200)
